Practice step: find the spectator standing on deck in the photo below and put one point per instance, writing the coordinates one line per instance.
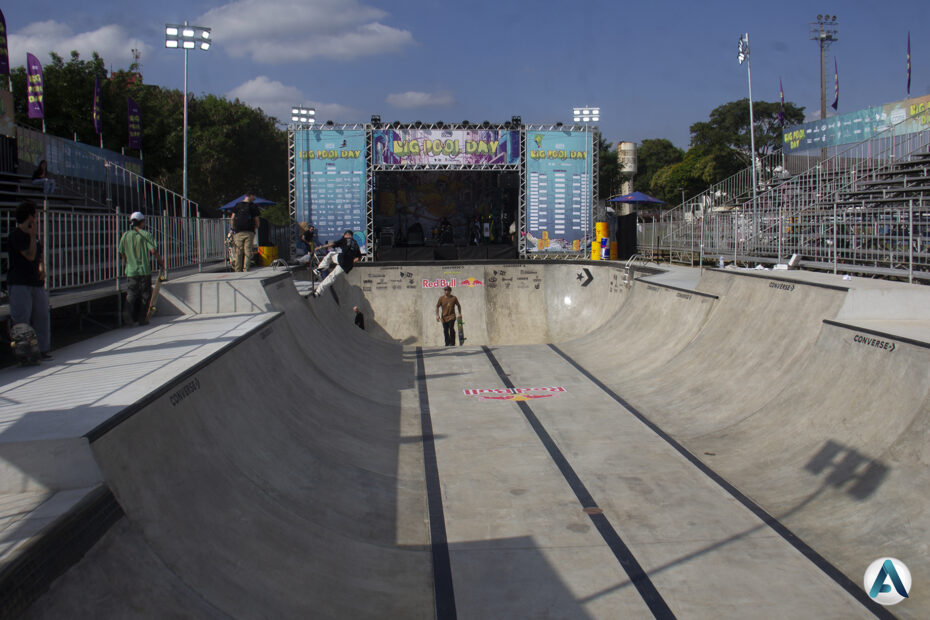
(40, 177)
(445, 313)
(341, 262)
(136, 247)
(244, 223)
(359, 317)
(26, 277)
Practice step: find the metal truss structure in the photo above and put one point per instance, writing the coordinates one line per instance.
(371, 168)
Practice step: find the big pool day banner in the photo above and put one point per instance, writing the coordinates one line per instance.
(859, 125)
(558, 192)
(330, 182)
(445, 147)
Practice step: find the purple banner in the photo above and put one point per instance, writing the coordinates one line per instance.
(34, 87)
(98, 122)
(135, 124)
(4, 50)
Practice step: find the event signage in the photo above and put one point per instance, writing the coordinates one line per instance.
(908, 116)
(34, 87)
(330, 182)
(558, 190)
(134, 116)
(4, 50)
(451, 147)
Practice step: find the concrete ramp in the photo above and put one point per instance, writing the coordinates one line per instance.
(506, 303)
(604, 446)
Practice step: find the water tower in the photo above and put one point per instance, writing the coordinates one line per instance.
(626, 153)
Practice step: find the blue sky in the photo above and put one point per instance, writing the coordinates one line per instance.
(654, 68)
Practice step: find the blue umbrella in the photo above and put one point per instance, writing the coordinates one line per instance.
(637, 197)
(259, 202)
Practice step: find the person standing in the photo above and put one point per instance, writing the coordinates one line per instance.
(40, 177)
(26, 277)
(341, 262)
(445, 313)
(359, 318)
(136, 247)
(244, 223)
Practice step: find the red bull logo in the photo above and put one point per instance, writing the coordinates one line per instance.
(452, 283)
(515, 394)
(440, 283)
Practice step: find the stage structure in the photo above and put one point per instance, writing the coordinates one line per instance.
(334, 171)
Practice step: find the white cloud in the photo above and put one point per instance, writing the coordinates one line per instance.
(275, 31)
(414, 99)
(277, 99)
(112, 42)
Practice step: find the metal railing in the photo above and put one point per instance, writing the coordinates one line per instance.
(864, 209)
(107, 181)
(81, 248)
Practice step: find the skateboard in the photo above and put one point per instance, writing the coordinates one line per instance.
(25, 344)
(461, 325)
(162, 276)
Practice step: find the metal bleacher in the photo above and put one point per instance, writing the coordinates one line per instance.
(862, 209)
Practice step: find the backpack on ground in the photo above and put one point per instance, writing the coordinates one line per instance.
(25, 344)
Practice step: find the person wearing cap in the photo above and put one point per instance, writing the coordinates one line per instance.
(243, 223)
(136, 247)
(445, 313)
(341, 262)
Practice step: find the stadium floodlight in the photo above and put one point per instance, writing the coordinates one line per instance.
(186, 37)
(586, 115)
(302, 115)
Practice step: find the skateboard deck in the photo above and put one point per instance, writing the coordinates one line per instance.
(151, 309)
(25, 344)
(461, 327)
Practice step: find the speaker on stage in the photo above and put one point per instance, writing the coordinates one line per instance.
(501, 251)
(471, 252)
(420, 254)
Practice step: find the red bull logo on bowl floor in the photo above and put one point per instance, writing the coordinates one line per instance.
(515, 394)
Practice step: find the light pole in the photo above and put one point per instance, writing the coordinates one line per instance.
(825, 32)
(186, 37)
(588, 114)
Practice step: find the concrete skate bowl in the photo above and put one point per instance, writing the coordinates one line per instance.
(289, 480)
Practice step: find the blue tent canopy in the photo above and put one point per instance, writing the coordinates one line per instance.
(637, 197)
(259, 202)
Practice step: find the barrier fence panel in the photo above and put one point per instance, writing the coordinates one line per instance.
(81, 248)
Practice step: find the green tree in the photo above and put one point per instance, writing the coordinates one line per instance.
(231, 146)
(701, 167)
(609, 178)
(651, 157)
(729, 127)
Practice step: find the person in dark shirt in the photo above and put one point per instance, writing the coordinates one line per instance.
(40, 177)
(359, 317)
(341, 262)
(26, 277)
(243, 223)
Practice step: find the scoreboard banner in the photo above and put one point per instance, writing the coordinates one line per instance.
(859, 125)
(558, 190)
(330, 182)
(485, 147)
